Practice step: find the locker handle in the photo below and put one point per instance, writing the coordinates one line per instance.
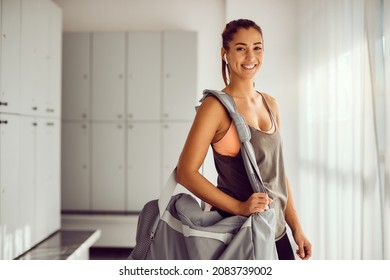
(3, 122)
(4, 103)
(35, 108)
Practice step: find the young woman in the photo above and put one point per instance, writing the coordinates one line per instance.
(242, 56)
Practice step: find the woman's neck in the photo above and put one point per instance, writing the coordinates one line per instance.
(242, 89)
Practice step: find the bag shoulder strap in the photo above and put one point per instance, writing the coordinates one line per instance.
(244, 135)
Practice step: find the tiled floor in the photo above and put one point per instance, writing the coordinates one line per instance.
(96, 253)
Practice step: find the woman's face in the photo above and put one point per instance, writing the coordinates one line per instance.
(245, 54)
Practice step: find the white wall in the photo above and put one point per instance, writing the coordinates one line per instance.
(278, 75)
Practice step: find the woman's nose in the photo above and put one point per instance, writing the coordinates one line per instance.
(250, 56)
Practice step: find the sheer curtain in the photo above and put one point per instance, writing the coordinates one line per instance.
(386, 203)
(343, 196)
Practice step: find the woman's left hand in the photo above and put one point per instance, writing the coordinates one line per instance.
(304, 246)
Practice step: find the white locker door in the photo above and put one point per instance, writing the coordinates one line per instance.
(47, 210)
(179, 75)
(174, 137)
(108, 163)
(144, 164)
(54, 179)
(144, 76)
(75, 187)
(9, 187)
(54, 60)
(34, 70)
(10, 56)
(76, 76)
(42, 51)
(28, 130)
(29, 58)
(108, 82)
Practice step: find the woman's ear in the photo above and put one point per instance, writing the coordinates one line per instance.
(223, 55)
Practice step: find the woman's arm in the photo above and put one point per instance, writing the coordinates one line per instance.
(210, 124)
(291, 216)
(304, 246)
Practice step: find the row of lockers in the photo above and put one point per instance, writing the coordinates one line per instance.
(30, 125)
(117, 166)
(129, 75)
(128, 103)
(30, 58)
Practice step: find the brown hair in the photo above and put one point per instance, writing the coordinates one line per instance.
(227, 36)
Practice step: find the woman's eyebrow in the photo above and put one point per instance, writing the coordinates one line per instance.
(258, 43)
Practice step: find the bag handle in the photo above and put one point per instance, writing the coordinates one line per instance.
(247, 152)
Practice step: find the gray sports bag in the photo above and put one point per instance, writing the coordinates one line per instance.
(177, 228)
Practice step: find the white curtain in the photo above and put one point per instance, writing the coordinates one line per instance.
(343, 194)
(386, 103)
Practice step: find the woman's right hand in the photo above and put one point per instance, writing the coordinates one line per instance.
(257, 202)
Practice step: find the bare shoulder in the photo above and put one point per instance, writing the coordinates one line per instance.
(212, 112)
(211, 107)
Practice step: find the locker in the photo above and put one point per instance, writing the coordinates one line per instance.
(108, 71)
(179, 75)
(108, 163)
(10, 56)
(144, 76)
(144, 161)
(76, 76)
(76, 187)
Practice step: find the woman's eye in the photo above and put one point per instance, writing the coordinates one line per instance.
(258, 48)
(240, 49)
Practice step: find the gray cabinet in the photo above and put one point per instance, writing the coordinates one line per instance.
(76, 76)
(108, 163)
(142, 82)
(108, 71)
(144, 76)
(75, 166)
(143, 163)
(174, 135)
(179, 75)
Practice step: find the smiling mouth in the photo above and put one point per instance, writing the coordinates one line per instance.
(249, 66)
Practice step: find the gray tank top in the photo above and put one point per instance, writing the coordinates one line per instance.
(233, 180)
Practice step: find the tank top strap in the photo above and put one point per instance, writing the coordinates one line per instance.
(269, 110)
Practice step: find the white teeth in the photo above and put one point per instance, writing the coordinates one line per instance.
(249, 66)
